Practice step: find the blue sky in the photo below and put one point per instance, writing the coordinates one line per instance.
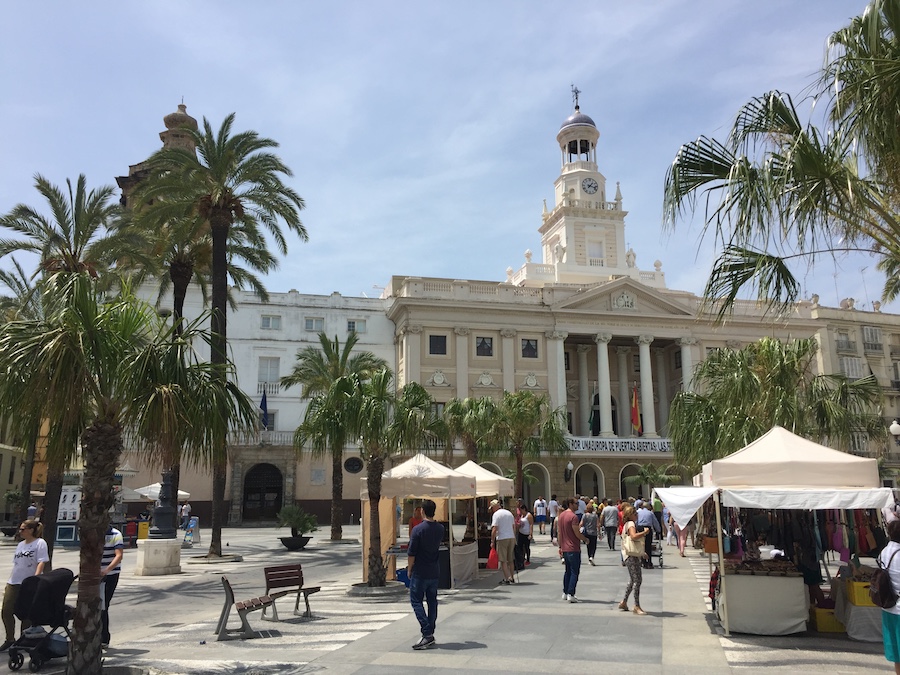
(421, 134)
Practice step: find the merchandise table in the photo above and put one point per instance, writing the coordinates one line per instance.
(765, 605)
(862, 623)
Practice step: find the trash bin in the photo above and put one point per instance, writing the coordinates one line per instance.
(143, 529)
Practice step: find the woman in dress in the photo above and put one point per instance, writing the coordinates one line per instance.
(890, 618)
(633, 563)
(28, 560)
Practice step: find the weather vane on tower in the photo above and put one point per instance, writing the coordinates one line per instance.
(575, 92)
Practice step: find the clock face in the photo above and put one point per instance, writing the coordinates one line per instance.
(589, 185)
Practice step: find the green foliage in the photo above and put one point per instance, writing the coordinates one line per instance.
(655, 475)
(297, 519)
(748, 391)
(781, 190)
(13, 497)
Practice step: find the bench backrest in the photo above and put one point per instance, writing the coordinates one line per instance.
(283, 576)
(229, 593)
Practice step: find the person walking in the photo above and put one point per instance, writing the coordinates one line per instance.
(540, 513)
(610, 518)
(185, 515)
(589, 524)
(890, 618)
(647, 520)
(110, 566)
(570, 538)
(423, 570)
(29, 559)
(632, 561)
(525, 532)
(552, 514)
(503, 539)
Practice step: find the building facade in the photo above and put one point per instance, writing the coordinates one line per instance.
(586, 326)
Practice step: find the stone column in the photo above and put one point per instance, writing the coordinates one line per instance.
(687, 363)
(556, 368)
(412, 353)
(462, 362)
(585, 400)
(509, 359)
(622, 354)
(648, 417)
(662, 387)
(603, 385)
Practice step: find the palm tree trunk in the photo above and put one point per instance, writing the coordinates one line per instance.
(520, 472)
(471, 454)
(102, 445)
(337, 493)
(30, 451)
(52, 495)
(219, 225)
(377, 572)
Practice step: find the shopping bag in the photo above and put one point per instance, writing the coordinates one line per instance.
(493, 560)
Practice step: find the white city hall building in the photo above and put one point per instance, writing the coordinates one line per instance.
(585, 326)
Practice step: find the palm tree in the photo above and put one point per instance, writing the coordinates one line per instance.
(322, 375)
(748, 391)
(525, 424)
(779, 189)
(469, 420)
(230, 179)
(653, 475)
(81, 351)
(77, 237)
(385, 422)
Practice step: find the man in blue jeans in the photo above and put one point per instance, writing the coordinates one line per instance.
(424, 571)
(569, 532)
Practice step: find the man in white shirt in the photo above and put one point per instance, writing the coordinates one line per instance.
(582, 507)
(540, 513)
(503, 539)
(552, 513)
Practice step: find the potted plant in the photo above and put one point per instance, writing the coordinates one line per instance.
(300, 522)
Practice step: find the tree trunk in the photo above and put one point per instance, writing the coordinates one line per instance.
(181, 273)
(218, 509)
(337, 493)
(520, 473)
(30, 450)
(219, 226)
(52, 495)
(102, 447)
(377, 572)
(472, 455)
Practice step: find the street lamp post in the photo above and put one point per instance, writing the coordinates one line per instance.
(895, 430)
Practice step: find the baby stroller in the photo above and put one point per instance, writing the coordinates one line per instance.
(42, 601)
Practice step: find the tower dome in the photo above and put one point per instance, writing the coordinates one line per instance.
(177, 133)
(578, 119)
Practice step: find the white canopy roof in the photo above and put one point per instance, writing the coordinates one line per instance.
(423, 478)
(487, 483)
(781, 459)
(152, 492)
(781, 470)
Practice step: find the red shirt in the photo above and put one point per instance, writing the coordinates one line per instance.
(568, 540)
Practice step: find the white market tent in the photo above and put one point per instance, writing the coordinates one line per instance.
(487, 483)
(422, 478)
(152, 492)
(781, 470)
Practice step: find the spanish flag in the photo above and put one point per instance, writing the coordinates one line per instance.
(635, 414)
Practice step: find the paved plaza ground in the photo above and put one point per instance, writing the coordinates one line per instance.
(165, 624)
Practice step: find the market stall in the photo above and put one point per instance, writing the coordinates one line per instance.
(422, 478)
(779, 471)
(487, 484)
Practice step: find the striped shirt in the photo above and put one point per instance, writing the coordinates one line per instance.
(113, 541)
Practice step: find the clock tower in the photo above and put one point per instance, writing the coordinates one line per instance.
(583, 235)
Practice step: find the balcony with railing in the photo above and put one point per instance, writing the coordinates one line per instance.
(873, 347)
(845, 346)
(268, 388)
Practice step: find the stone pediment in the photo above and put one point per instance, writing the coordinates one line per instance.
(621, 297)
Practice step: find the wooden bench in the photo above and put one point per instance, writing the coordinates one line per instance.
(289, 578)
(244, 607)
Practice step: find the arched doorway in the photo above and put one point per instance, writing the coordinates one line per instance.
(539, 486)
(589, 481)
(263, 492)
(629, 489)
